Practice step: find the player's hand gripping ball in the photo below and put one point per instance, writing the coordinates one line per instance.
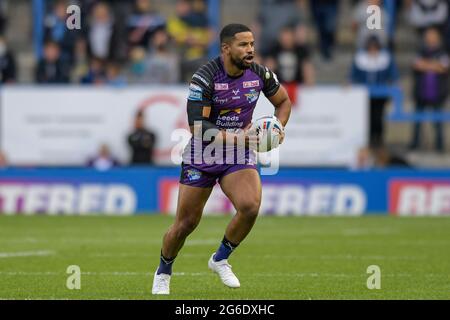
(269, 130)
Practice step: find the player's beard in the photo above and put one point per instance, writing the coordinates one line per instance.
(240, 63)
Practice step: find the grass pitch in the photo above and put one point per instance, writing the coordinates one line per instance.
(282, 258)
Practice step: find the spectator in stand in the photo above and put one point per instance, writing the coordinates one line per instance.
(96, 73)
(163, 62)
(159, 66)
(380, 157)
(431, 84)
(104, 160)
(374, 66)
(55, 30)
(447, 29)
(142, 23)
(290, 60)
(325, 13)
(7, 63)
(51, 69)
(137, 70)
(80, 61)
(114, 76)
(359, 24)
(142, 142)
(428, 13)
(192, 34)
(272, 17)
(101, 35)
(3, 17)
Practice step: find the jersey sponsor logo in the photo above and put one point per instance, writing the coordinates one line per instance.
(236, 97)
(250, 84)
(196, 76)
(217, 100)
(225, 111)
(252, 96)
(195, 92)
(220, 86)
(227, 120)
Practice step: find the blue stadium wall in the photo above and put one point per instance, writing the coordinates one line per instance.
(125, 191)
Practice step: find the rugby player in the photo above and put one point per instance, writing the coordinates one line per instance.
(222, 96)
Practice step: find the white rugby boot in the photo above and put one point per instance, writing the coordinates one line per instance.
(161, 283)
(223, 269)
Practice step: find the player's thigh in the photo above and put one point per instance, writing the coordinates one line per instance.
(191, 201)
(243, 188)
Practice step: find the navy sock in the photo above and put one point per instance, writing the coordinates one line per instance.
(165, 265)
(225, 249)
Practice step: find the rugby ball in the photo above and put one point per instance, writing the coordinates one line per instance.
(268, 129)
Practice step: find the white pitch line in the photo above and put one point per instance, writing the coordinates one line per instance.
(38, 253)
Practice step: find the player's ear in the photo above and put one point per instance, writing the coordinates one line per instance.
(225, 46)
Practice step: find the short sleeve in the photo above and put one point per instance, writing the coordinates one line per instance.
(270, 80)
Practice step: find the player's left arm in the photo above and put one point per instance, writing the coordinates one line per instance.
(282, 104)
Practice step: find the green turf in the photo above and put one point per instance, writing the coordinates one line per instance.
(282, 258)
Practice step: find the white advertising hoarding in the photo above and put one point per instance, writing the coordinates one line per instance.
(66, 125)
(327, 126)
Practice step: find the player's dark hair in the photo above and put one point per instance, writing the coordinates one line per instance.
(230, 30)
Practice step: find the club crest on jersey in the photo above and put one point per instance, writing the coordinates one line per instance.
(193, 174)
(220, 86)
(252, 96)
(250, 84)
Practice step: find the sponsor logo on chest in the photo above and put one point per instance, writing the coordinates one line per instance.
(221, 86)
(250, 84)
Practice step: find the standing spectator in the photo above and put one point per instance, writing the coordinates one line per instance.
(428, 13)
(431, 71)
(7, 63)
(3, 17)
(374, 66)
(160, 66)
(80, 62)
(96, 73)
(192, 34)
(162, 62)
(102, 36)
(325, 14)
(114, 76)
(104, 160)
(142, 23)
(272, 17)
(291, 62)
(137, 70)
(359, 24)
(142, 142)
(51, 68)
(56, 30)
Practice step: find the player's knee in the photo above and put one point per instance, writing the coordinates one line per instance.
(249, 208)
(186, 226)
